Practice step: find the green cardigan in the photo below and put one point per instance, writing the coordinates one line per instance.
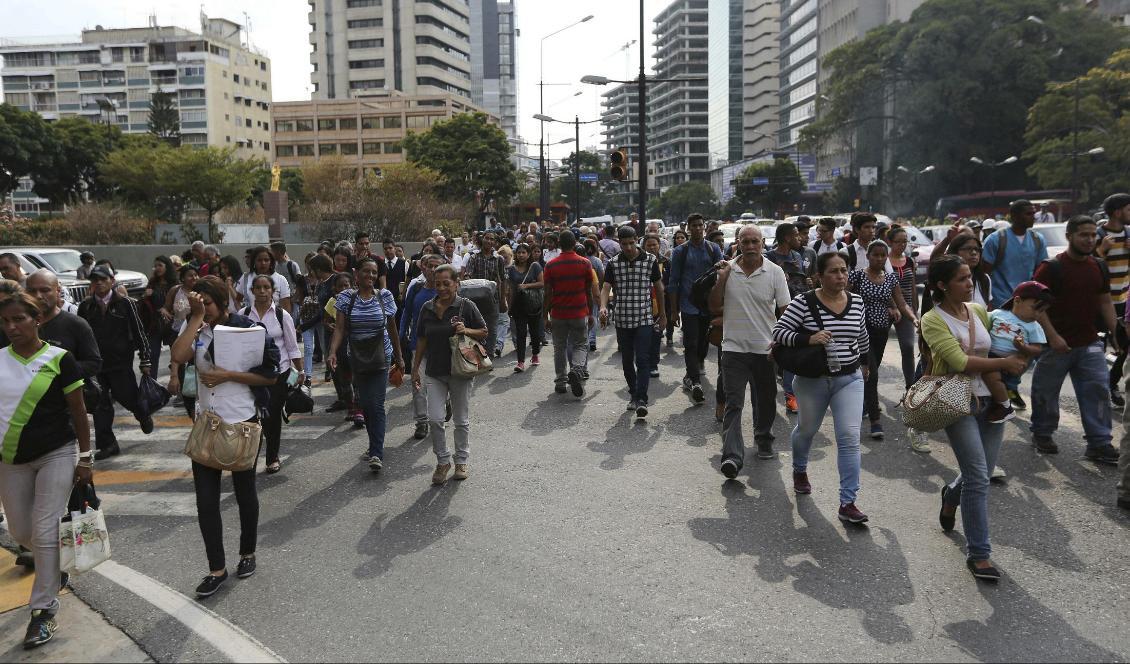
(946, 352)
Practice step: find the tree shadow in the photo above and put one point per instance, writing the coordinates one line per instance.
(424, 523)
(628, 436)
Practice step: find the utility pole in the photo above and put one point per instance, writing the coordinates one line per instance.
(577, 165)
(642, 159)
(1075, 150)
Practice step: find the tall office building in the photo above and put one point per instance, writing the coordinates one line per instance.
(678, 134)
(419, 47)
(743, 78)
(798, 67)
(220, 84)
(494, 61)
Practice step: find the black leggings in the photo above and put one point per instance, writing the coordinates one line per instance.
(874, 361)
(522, 325)
(272, 426)
(207, 483)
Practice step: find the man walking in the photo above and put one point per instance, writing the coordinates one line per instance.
(1079, 283)
(118, 331)
(750, 294)
(395, 271)
(633, 275)
(690, 261)
(487, 264)
(862, 232)
(567, 313)
(1113, 249)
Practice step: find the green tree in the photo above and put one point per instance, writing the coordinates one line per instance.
(146, 174)
(80, 146)
(955, 81)
(26, 146)
(683, 199)
(212, 178)
(1103, 122)
(471, 154)
(594, 198)
(164, 119)
(784, 186)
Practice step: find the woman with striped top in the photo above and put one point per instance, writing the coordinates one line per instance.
(842, 330)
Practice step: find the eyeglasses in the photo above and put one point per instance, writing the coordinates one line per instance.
(969, 250)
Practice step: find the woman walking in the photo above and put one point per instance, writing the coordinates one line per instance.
(280, 327)
(440, 319)
(902, 265)
(526, 288)
(367, 316)
(229, 395)
(175, 312)
(161, 282)
(883, 304)
(842, 330)
(957, 334)
(38, 458)
(263, 263)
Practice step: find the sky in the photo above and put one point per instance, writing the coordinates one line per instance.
(280, 28)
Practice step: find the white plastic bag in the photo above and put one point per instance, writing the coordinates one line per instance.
(84, 542)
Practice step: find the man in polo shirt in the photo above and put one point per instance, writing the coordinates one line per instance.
(689, 261)
(750, 294)
(633, 275)
(567, 313)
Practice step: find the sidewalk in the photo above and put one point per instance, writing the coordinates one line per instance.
(83, 635)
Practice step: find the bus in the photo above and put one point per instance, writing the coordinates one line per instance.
(990, 204)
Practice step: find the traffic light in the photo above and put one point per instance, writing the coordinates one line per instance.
(618, 164)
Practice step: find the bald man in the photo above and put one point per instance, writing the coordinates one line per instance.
(60, 328)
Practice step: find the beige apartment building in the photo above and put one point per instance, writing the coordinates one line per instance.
(364, 131)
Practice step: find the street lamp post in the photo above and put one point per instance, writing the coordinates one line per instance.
(914, 190)
(577, 151)
(543, 171)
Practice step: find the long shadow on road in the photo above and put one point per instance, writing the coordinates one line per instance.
(628, 436)
(424, 523)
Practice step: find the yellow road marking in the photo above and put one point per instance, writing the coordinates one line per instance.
(15, 582)
(111, 477)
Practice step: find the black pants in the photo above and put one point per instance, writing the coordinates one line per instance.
(272, 426)
(1123, 342)
(522, 325)
(879, 338)
(696, 342)
(117, 385)
(343, 376)
(207, 483)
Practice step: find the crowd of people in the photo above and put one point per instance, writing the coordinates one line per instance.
(993, 306)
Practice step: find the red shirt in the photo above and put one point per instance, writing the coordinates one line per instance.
(570, 277)
(1078, 288)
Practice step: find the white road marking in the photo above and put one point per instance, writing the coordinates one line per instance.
(151, 503)
(232, 641)
(157, 462)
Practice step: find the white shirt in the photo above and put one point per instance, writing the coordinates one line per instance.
(549, 254)
(285, 338)
(750, 307)
(282, 288)
(960, 330)
(233, 402)
(860, 256)
(826, 248)
(456, 261)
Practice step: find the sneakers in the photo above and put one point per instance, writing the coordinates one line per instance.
(730, 469)
(246, 567)
(1045, 444)
(146, 425)
(790, 404)
(655, 373)
(801, 485)
(947, 521)
(999, 413)
(460, 472)
(520, 367)
(632, 405)
(559, 388)
(1107, 454)
(211, 584)
(584, 373)
(336, 406)
(375, 464)
(641, 409)
(40, 630)
(988, 573)
(25, 558)
(997, 474)
(107, 452)
(919, 441)
(1016, 400)
(851, 514)
(765, 450)
(421, 431)
(876, 431)
(687, 383)
(575, 385)
(1116, 398)
(592, 348)
(697, 394)
(497, 352)
(358, 418)
(440, 475)
(534, 361)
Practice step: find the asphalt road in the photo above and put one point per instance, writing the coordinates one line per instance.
(584, 534)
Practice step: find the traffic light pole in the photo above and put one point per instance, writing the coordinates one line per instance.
(577, 165)
(642, 122)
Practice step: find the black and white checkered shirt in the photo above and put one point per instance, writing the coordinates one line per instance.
(632, 282)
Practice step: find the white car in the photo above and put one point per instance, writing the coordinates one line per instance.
(64, 262)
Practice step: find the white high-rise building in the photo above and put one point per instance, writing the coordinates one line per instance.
(678, 134)
(494, 61)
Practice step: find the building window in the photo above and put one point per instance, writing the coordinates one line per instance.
(305, 149)
(366, 43)
(347, 123)
(304, 125)
(191, 71)
(367, 84)
(365, 23)
(367, 64)
(370, 122)
(417, 121)
(370, 148)
(392, 148)
(247, 123)
(327, 149)
(391, 122)
(284, 125)
(348, 148)
(194, 116)
(284, 151)
(353, 4)
(235, 78)
(327, 125)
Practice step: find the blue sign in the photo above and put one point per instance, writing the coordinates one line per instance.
(588, 177)
(761, 181)
(836, 172)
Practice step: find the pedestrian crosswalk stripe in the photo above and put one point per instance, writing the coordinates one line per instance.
(133, 434)
(146, 467)
(151, 503)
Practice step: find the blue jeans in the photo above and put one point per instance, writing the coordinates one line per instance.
(635, 354)
(656, 340)
(787, 382)
(844, 395)
(976, 443)
(370, 389)
(503, 331)
(308, 351)
(595, 316)
(1091, 379)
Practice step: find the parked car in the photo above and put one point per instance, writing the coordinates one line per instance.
(921, 247)
(1055, 235)
(74, 290)
(64, 262)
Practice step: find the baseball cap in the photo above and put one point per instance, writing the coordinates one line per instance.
(101, 272)
(1030, 290)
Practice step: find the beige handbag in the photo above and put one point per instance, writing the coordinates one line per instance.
(935, 402)
(216, 444)
(469, 358)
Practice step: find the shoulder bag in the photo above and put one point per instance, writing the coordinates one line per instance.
(469, 358)
(810, 361)
(367, 356)
(935, 402)
(217, 444)
(532, 298)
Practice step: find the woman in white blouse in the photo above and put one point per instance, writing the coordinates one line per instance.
(263, 263)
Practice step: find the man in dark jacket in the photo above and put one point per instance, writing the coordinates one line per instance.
(118, 331)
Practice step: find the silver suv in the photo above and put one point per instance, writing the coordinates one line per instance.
(64, 262)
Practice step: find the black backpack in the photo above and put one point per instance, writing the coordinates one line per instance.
(700, 290)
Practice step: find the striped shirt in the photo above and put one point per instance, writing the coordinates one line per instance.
(569, 278)
(1118, 260)
(34, 417)
(368, 317)
(905, 276)
(848, 329)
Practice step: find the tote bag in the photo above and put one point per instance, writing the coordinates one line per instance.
(935, 402)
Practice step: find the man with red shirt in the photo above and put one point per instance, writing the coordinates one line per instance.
(1081, 286)
(569, 297)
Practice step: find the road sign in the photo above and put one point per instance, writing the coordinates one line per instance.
(761, 181)
(588, 177)
(836, 172)
(868, 176)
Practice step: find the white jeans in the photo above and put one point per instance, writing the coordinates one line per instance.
(439, 390)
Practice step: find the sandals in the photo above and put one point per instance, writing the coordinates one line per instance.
(273, 468)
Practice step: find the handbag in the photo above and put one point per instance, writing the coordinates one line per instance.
(217, 444)
(84, 542)
(533, 298)
(469, 358)
(934, 402)
(151, 395)
(188, 386)
(810, 361)
(366, 356)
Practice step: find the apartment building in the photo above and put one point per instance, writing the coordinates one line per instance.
(365, 131)
(620, 108)
(221, 84)
(678, 132)
(494, 61)
(418, 47)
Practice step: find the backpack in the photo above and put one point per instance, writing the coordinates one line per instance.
(1002, 244)
(700, 290)
(816, 246)
(682, 262)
